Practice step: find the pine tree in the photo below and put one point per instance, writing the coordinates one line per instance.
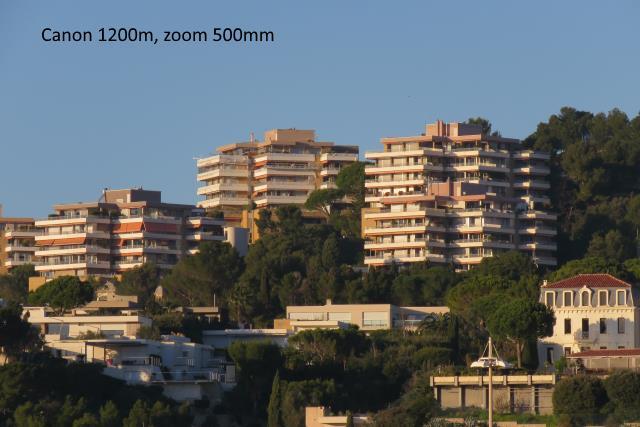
(274, 410)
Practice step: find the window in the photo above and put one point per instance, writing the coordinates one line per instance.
(567, 326)
(585, 328)
(620, 347)
(603, 326)
(621, 297)
(549, 354)
(621, 325)
(341, 317)
(375, 318)
(568, 299)
(567, 351)
(585, 299)
(549, 298)
(603, 347)
(602, 298)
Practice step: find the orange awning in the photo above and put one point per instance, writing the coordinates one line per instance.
(47, 242)
(61, 242)
(130, 227)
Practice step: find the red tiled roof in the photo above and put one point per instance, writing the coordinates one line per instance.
(589, 280)
(622, 352)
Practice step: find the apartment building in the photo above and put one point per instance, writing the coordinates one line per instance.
(123, 230)
(282, 169)
(17, 243)
(368, 317)
(593, 312)
(455, 195)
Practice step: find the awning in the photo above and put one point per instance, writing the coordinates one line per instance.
(154, 227)
(61, 242)
(129, 227)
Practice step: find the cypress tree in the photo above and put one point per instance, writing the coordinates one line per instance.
(274, 410)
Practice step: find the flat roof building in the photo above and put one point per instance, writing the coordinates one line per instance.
(282, 169)
(368, 317)
(17, 242)
(123, 230)
(456, 195)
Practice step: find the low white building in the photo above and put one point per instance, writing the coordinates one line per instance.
(593, 311)
(185, 370)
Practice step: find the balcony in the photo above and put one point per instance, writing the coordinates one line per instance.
(223, 186)
(230, 172)
(339, 157)
(222, 201)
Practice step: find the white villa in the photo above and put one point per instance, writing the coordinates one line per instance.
(593, 312)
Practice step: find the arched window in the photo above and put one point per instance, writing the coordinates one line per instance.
(584, 299)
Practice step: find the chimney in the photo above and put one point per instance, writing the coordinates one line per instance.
(544, 282)
(328, 301)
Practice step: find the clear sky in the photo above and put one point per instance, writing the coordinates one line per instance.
(75, 118)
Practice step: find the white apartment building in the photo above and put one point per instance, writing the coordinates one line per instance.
(283, 168)
(454, 195)
(593, 312)
(123, 230)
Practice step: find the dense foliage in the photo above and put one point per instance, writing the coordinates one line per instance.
(594, 181)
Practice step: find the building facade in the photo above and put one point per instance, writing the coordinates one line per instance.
(17, 243)
(455, 195)
(593, 312)
(368, 317)
(123, 230)
(282, 169)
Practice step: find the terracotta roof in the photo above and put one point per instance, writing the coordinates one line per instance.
(589, 280)
(622, 352)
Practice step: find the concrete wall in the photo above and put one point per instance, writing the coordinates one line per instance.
(511, 394)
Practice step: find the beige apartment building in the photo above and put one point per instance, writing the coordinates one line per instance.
(123, 230)
(282, 169)
(17, 243)
(368, 317)
(454, 195)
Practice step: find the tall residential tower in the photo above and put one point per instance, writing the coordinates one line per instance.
(455, 195)
(282, 169)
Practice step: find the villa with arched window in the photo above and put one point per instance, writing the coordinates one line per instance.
(593, 312)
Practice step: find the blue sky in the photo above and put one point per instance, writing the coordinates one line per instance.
(75, 118)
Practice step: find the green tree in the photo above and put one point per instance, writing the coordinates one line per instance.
(415, 408)
(322, 200)
(109, 415)
(86, 420)
(623, 390)
(196, 279)
(70, 410)
(28, 415)
(138, 415)
(612, 246)
(62, 294)
(274, 415)
(296, 395)
(14, 286)
(17, 336)
(587, 266)
(484, 123)
(579, 398)
(521, 320)
(140, 281)
(257, 363)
